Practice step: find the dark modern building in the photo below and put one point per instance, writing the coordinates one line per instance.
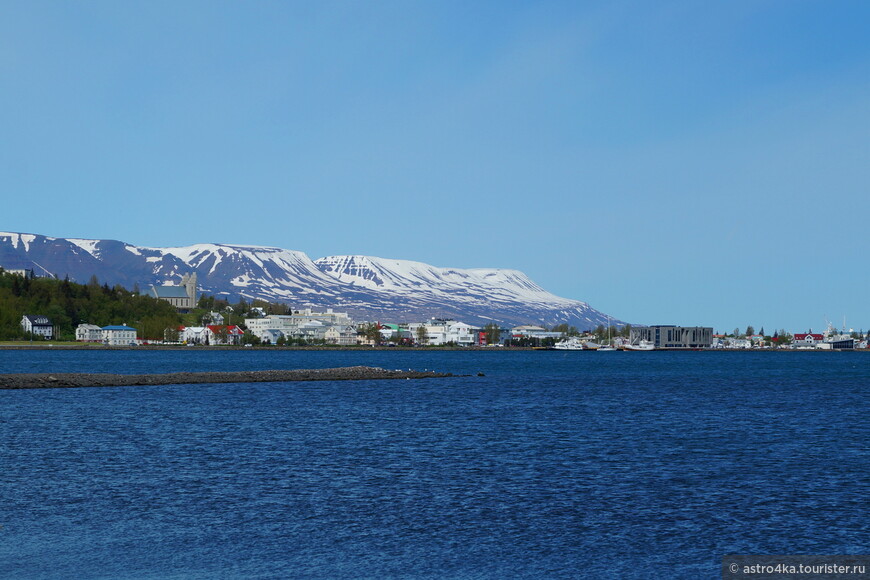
(666, 336)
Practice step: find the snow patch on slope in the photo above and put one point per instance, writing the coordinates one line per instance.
(90, 246)
(24, 239)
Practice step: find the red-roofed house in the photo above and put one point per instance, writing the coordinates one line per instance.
(220, 334)
(807, 340)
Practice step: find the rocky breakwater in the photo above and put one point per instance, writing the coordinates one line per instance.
(72, 380)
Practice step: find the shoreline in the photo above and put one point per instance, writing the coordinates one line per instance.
(74, 346)
(92, 347)
(80, 380)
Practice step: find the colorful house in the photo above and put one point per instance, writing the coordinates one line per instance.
(122, 335)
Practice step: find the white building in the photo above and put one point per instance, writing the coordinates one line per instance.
(23, 272)
(214, 318)
(37, 325)
(341, 335)
(529, 331)
(192, 335)
(268, 335)
(440, 332)
(291, 322)
(213, 334)
(311, 330)
(89, 333)
(739, 343)
(462, 334)
(219, 334)
(808, 340)
(302, 324)
(119, 335)
(433, 332)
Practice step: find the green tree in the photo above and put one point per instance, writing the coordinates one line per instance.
(171, 334)
(783, 337)
(221, 334)
(421, 335)
(68, 304)
(492, 333)
(206, 302)
(250, 338)
(750, 331)
(600, 333)
(371, 331)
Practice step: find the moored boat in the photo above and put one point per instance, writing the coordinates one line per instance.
(570, 343)
(642, 345)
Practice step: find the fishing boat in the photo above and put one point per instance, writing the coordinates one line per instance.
(642, 345)
(570, 343)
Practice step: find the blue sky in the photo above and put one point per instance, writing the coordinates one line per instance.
(667, 162)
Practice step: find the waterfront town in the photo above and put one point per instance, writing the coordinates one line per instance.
(262, 326)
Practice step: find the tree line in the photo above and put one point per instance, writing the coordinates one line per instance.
(68, 304)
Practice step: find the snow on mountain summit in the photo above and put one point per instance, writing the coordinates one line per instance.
(369, 288)
(409, 276)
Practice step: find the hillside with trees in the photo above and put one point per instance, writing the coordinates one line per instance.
(68, 304)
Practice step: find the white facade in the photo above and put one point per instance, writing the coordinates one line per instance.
(808, 340)
(89, 333)
(192, 335)
(529, 331)
(741, 343)
(341, 335)
(461, 333)
(119, 335)
(305, 324)
(223, 334)
(214, 318)
(291, 322)
(268, 335)
(435, 332)
(440, 332)
(38, 325)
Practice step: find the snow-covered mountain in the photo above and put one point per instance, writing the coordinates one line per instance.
(367, 287)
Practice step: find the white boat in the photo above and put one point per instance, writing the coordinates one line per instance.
(570, 343)
(642, 345)
(609, 346)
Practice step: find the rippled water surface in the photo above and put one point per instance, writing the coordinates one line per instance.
(552, 465)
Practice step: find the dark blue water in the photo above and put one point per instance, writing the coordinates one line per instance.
(553, 465)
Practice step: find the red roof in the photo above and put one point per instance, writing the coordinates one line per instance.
(804, 336)
(230, 329)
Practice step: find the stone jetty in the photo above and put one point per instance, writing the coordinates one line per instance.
(73, 380)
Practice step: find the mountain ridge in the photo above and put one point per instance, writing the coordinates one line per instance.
(367, 287)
